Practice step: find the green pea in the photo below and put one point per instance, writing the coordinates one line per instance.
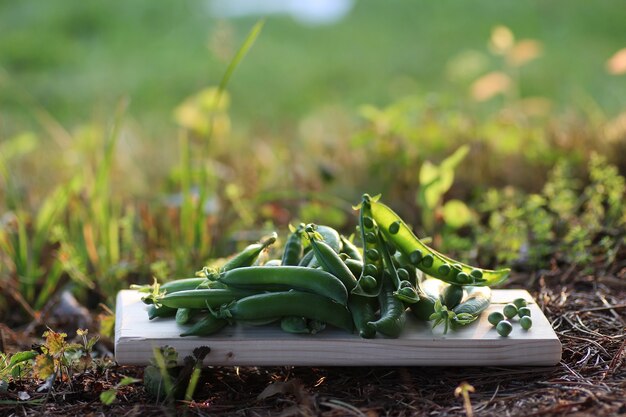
(370, 269)
(526, 322)
(463, 278)
(476, 274)
(394, 227)
(495, 318)
(428, 260)
(458, 267)
(504, 328)
(520, 302)
(403, 274)
(370, 237)
(510, 311)
(444, 269)
(372, 254)
(524, 312)
(368, 282)
(415, 257)
(368, 222)
(390, 248)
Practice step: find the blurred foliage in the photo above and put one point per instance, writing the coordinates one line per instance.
(495, 174)
(562, 223)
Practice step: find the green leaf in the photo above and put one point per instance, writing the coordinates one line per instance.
(107, 397)
(127, 380)
(22, 357)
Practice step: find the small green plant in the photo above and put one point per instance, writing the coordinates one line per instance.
(108, 397)
(562, 221)
(15, 366)
(434, 182)
(59, 357)
(166, 380)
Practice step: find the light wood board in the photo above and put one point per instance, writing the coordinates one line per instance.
(477, 344)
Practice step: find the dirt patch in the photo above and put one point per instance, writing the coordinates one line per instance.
(588, 312)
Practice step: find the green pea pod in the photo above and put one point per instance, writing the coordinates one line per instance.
(425, 307)
(294, 324)
(370, 282)
(203, 298)
(161, 311)
(452, 295)
(289, 303)
(356, 267)
(350, 249)
(427, 259)
(475, 303)
(330, 236)
(206, 326)
(183, 315)
(249, 255)
(283, 278)
(406, 292)
(330, 261)
(293, 247)
(392, 312)
(182, 284)
(156, 290)
(363, 310)
(306, 259)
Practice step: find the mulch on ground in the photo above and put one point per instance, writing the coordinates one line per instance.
(587, 310)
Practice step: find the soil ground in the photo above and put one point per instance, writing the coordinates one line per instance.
(587, 310)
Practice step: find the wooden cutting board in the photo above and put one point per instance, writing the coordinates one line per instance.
(477, 344)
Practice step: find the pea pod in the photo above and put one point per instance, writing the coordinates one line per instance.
(427, 259)
(452, 295)
(208, 325)
(293, 247)
(250, 254)
(307, 258)
(363, 312)
(350, 249)
(289, 303)
(330, 261)
(203, 298)
(356, 267)
(329, 236)
(183, 315)
(475, 303)
(403, 290)
(294, 324)
(168, 288)
(392, 312)
(464, 313)
(425, 307)
(283, 278)
(301, 325)
(161, 311)
(370, 281)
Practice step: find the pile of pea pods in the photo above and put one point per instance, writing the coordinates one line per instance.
(323, 279)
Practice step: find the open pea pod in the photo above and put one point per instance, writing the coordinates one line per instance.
(427, 259)
(370, 282)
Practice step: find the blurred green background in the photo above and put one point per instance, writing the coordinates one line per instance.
(77, 58)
